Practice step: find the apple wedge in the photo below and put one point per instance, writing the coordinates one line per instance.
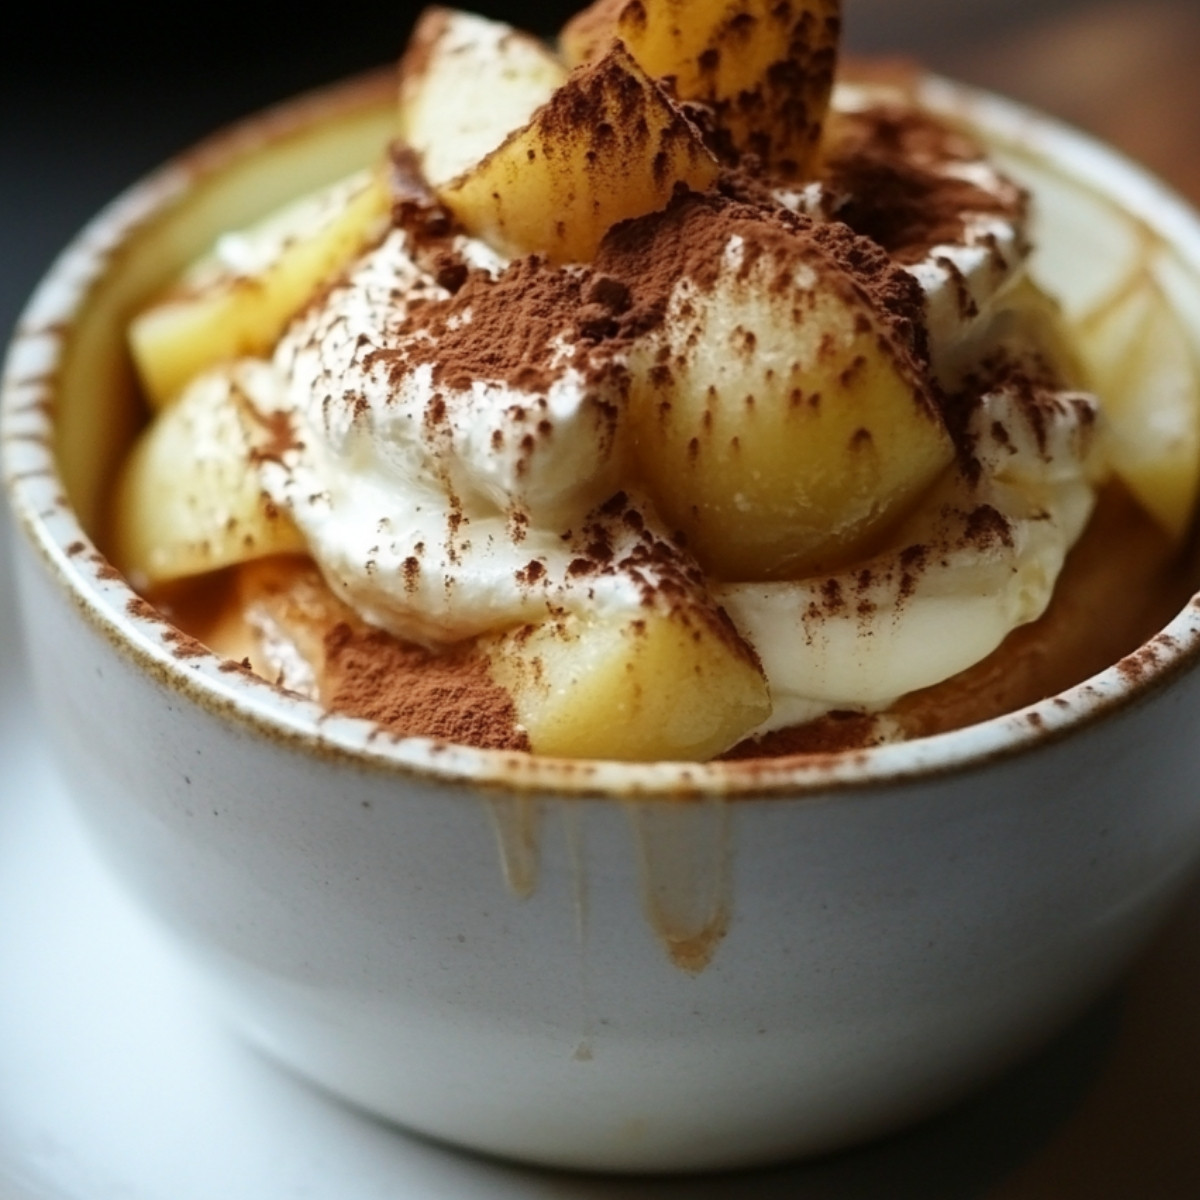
(188, 500)
(765, 68)
(236, 301)
(609, 145)
(1144, 369)
(664, 686)
(465, 84)
(778, 422)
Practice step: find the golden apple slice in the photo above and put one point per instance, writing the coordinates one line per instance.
(188, 500)
(662, 686)
(765, 68)
(780, 424)
(236, 302)
(465, 84)
(1144, 370)
(608, 146)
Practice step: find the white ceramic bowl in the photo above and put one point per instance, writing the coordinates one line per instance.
(665, 967)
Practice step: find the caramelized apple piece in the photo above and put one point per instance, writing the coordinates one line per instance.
(667, 685)
(465, 84)
(764, 67)
(188, 500)
(779, 424)
(677, 685)
(609, 145)
(236, 302)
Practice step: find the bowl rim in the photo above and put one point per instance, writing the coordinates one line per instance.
(49, 526)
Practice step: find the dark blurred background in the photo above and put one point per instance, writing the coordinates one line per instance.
(91, 100)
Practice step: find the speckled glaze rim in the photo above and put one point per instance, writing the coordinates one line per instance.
(101, 597)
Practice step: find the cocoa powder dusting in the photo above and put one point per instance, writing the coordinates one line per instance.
(501, 329)
(416, 693)
(886, 179)
(688, 241)
(510, 329)
(834, 733)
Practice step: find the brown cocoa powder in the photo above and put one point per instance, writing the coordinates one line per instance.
(834, 733)
(885, 177)
(415, 692)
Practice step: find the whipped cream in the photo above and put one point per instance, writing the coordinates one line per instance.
(441, 516)
(442, 513)
(972, 564)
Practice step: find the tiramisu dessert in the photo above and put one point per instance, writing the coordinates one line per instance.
(654, 398)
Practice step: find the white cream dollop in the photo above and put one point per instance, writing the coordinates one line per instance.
(972, 564)
(441, 515)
